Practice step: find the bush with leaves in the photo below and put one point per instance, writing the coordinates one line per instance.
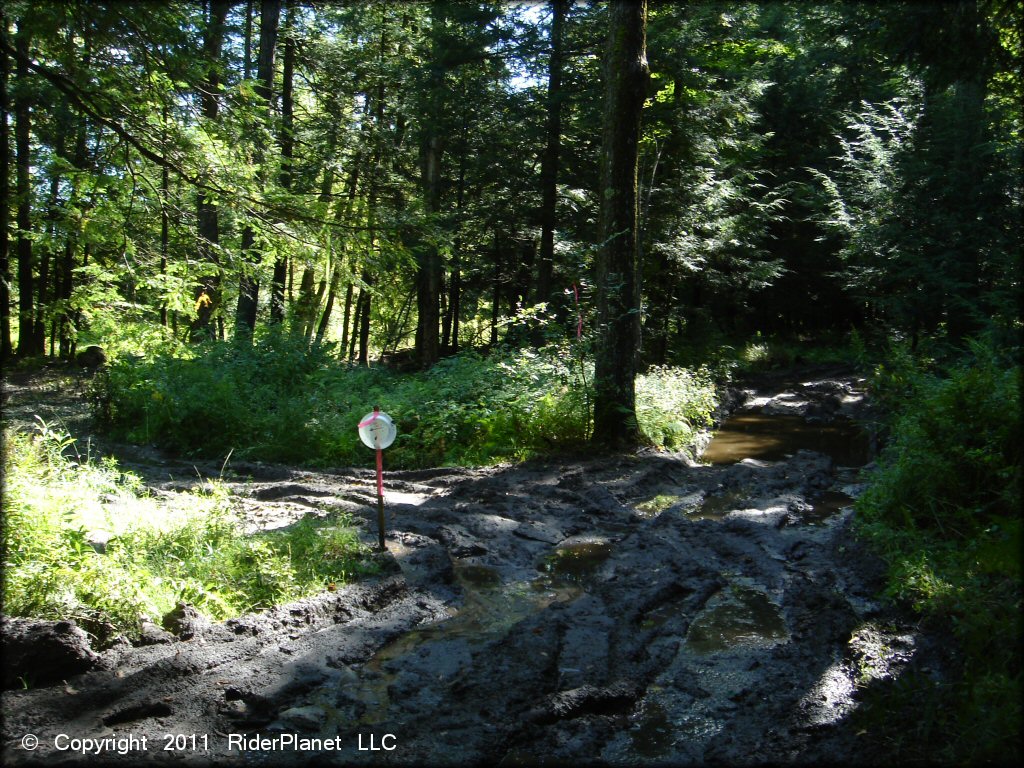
(674, 405)
(944, 510)
(278, 401)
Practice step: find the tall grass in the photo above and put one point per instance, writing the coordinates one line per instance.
(84, 541)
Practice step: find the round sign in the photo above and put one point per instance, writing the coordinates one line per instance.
(376, 430)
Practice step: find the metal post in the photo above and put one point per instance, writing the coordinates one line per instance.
(380, 498)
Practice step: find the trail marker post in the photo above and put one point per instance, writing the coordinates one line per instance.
(378, 431)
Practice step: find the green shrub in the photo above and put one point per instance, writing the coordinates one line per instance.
(674, 404)
(944, 510)
(276, 401)
(953, 465)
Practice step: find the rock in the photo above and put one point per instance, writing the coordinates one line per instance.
(153, 635)
(91, 357)
(591, 700)
(459, 542)
(185, 621)
(43, 652)
(303, 718)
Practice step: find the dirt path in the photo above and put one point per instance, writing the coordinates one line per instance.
(632, 610)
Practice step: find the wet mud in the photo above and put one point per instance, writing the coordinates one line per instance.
(642, 609)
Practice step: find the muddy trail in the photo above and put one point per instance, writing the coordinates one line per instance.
(633, 610)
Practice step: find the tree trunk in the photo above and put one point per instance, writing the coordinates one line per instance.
(374, 176)
(287, 144)
(248, 284)
(248, 287)
(337, 270)
(552, 150)
(355, 325)
(348, 313)
(519, 289)
(208, 292)
(365, 296)
(52, 214)
(428, 275)
(326, 186)
(22, 116)
(305, 308)
(450, 325)
(6, 346)
(616, 276)
(165, 223)
(455, 304)
(247, 48)
(332, 294)
(287, 138)
(661, 279)
(496, 290)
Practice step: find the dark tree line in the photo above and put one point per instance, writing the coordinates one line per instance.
(435, 176)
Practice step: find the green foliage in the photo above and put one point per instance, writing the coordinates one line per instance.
(153, 554)
(925, 205)
(673, 405)
(279, 401)
(944, 510)
(953, 465)
(727, 356)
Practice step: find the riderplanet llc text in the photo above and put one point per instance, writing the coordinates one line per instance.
(290, 742)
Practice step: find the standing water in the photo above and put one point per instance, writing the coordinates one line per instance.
(772, 438)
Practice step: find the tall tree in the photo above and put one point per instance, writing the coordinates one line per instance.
(6, 347)
(28, 343)
(248, 284)
(552, 150)
(432, 147)
(63, 320)
(616, 277)
(208, 291)
(286, 141)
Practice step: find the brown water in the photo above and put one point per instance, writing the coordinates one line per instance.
(825, 506)
(772, 438)
(490, 609)
(575, 563)
(717, 506)
(737, 617)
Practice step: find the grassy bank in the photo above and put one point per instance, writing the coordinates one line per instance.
(84, 541)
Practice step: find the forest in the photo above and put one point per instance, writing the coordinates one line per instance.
(537, 234)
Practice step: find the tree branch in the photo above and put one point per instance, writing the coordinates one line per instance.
(85, 103)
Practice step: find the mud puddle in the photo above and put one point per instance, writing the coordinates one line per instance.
(771, 437)
(738, 616)
(489, 609)
(572, 564)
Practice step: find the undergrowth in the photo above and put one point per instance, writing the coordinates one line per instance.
(278, 401)
(728, 356)
(944, 511)
(84, 541)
